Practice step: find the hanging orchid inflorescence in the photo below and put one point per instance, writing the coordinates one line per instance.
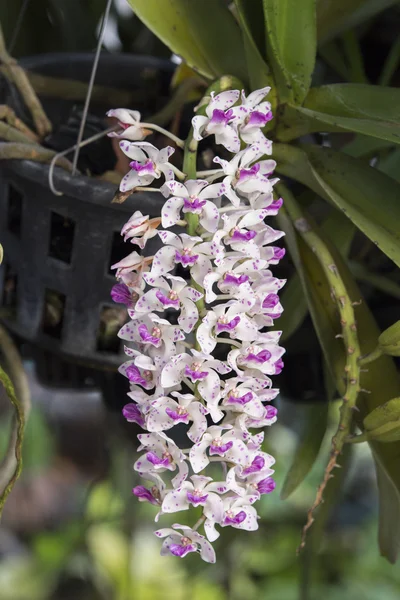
(200, 352)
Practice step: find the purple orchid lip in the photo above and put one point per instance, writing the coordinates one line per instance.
(181, 550)
(227, 326)
(221, 449)
(242, 400)
(144, 169)
(221, 117)
(270, 412)
(195, 375)
(133, 414)
(259, 358)
(244, 173)
(274, 206)
(273, 315)
(156, 461)
(196, 500)
(279, 253)
(186, 259)
(194, 206)
(236, 520)
(165, 301)
(238, 236)
(134, 376)
(175, 416)
(147, 337)
(144, 494)
(266, 486)
(278, 366)
(228, 278)
(121, 294)
(259, 119)
(256, 465)
(270, 301)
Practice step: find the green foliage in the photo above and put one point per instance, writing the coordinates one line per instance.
(389, 340)
(291, 45)
(315, 423)
(383, 423)
(366, 109)
(204, 33)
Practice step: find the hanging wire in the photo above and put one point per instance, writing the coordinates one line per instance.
(90, 87)
(75, 147)
(17, 27)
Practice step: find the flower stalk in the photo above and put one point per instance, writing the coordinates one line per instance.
(345, 307)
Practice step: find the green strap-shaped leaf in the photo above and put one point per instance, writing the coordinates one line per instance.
(295, 307)
(291, 45)
(315, 422)
(367, 197)
(336, 16)
(368, 109)
(203, 32)
(251, 24)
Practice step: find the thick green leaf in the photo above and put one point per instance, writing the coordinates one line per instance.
(389, 340)
(389, 513)
(336, 16)
(367, 197)
(315, 422)
(294, 305)
(383, 423)
(251, 21)
(390, 164)
(203, 32)
(291, 45)
(369, 109)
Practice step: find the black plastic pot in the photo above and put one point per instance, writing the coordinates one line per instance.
(55, 281)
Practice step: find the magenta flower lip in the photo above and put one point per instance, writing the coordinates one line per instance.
(259, 358)
(134, 375)
(175, 416)
(133, 414)
(195, 206)
(245, 173)
(223, 449)
(156, 461)
(256, 465)
(147, 337)
(227, 326)
(196, 500)
(270, 301)
(236, 520)
(144, 169)
(195, 375)
(241, 400)
(181, 550)
(221, 117)
(187, 260)
(144, 494)
(247, 236)
(121, 294)
(165, 301)
(229, 278)
(266, 486)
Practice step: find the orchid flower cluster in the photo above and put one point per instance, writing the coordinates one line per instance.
(207, 370)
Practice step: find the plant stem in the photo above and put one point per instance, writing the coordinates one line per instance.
(180, 143)
(311, 237)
